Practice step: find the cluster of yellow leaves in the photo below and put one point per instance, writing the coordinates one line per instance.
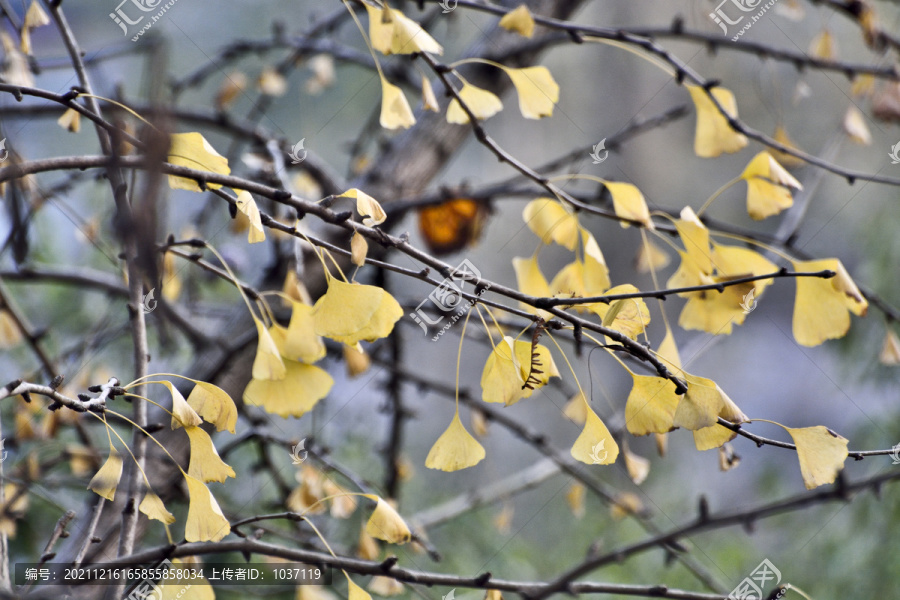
(537, 90)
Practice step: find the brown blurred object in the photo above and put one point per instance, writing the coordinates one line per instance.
(453, 225)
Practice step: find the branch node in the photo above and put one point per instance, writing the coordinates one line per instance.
(389, 563)
(483, 578)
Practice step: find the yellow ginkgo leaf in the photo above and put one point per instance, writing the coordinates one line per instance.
(696, 260)
(357, 360)
(35, 16)
(551, 222)
(855, 126)
(268, 363)
(292, 396)
(538, 91)
(70, 120)
(247, 205)
(206, 465)
(350, 312)
(716, 435)
(105, 481)
(788, 160)
(386, 523)
(301, 342)
(626, 503)
(455, 449)
(596, 273)
(359, 248)
(182, 413)
(381, 28)
(742, 262)
(183, 581)
(271, 82)
(205, 521)
(714, 135)
(701, 405)
(595, 445)
(519, 20)
(395, 110)
(821, 452)
(629, 316)
(385, 586)
(214, 405)
(651, 405)
(367, 548)
(481, 102)
(629, 203)
(354, 592)
(823, 46)
(429, 100)
(154, 508)
(531, 281)
(10, 334)
(575, 499)
(576, 409)
(637, 466)
(193, 151)
(509, 367)
(890, 349)
(668, 350)
(768, 186)
(651, 257)
(408, 37)
(367, 207)
(822, 306)
(717, 312)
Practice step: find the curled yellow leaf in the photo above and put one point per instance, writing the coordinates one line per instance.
(481, 102)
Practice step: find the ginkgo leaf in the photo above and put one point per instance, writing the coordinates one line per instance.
(206, 465)
(519, 20)
(890, 349)
(716, 435)
(636, 466)
(386, 524)
(576, 408)
(821, 452)
(367, 548)
(392, 32)
(481, 102)
(381, 28)
(292, 396)
(668, 350)
(35, 16)
(651, 257)
(268, 363)
(823, 46)
(455, 449)
(154, 508)
(596, 273)
(354, 592)
(696, 260)
(205, 521)
(717, 312)
(629, 203)
(357, 360)
(367, 207)
(626, 503)
(105, 481)
(301, 342)
(509, 366)
(429, 100)
(214, 405)
(737, 261)
(453, 225)
(271, 82)
(768, 186)
(822, 306)
(854, 124)
(350, 312)
(358, 249)
(714, 135)
(10, 334)
(700, 405)
(595, 445)
(629, 316)
(70, 120)
(551, 222)
(395, 110)
(538, 91)
(247, 205)
(182, 582)
(651, 405)
(575, 499)
(343, 504)
(385, 586)
(531, 281)
(788, 160)
(193, 151)
(182, 413)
